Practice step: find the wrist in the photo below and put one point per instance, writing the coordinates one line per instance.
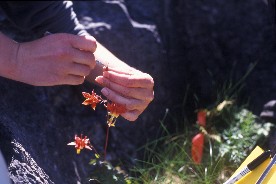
(8, 56)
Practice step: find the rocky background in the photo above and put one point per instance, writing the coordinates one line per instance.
(189, 47)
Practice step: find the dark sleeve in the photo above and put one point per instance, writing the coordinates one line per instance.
(40, 16)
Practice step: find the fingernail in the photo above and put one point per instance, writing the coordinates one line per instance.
(105, 91)
(99, 80)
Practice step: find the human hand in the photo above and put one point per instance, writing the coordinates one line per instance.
(55, 60)
(132, 88)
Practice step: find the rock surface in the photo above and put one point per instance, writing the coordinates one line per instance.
(182, 44)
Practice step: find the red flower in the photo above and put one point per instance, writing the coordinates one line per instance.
(81, 143)
(91, 99)
(201, 118)
(114, 110)
(197, 148)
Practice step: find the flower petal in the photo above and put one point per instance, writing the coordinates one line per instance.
(197, 148)
(71, 144)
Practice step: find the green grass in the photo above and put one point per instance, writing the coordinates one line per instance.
(231, 133)
(168, 159)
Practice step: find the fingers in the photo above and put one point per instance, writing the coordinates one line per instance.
(138, 79)
(73, 80)
(78, 69)
(83, 57)
(55, 60)
(138, 93)
(134, 106)
(130, 103)
(134, 90)
(87, 43)
(80, 51)
(131, 115)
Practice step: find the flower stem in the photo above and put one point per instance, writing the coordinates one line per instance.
(106, 142)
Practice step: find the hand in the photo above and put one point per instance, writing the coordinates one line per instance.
(132, 88)
(55, 60)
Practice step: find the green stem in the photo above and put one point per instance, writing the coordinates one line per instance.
(106, 142)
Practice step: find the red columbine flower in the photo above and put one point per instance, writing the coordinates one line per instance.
(114, 110)
(201, 118)
(197, 148)
(81, 143)
(198, 140)
(91, 99)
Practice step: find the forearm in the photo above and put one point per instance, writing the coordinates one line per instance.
(103, 55)
(8, 50)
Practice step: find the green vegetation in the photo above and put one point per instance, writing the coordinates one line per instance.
(233, 134)
(230, 130)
